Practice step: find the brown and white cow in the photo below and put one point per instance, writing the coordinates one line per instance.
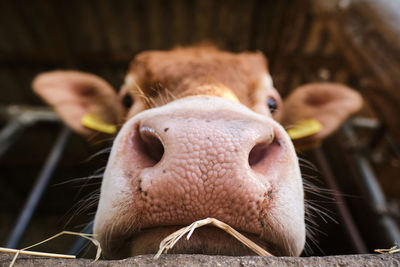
(202, 136)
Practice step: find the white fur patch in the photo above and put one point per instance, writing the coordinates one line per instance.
(266, 81)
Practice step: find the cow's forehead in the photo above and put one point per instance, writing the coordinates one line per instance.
(182, 69)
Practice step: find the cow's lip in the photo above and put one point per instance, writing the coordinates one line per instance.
(147, 241)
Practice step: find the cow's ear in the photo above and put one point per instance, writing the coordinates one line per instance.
(327, 103)
(75, 94)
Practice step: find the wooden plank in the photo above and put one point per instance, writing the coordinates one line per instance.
(289, 13)
(15, 36)
(314, 37)
(155, 21)
(28, 14)
(205, 18)
(242, 24)
(54, 31)
(91, 28)
(73, 21)
(178, 27)
(131, 21)
(276, 20)
(48, 59)
(108, 25)
(224, 29)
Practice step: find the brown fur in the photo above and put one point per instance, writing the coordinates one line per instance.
(187, 71)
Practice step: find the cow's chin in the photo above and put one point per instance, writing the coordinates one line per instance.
(205, 240)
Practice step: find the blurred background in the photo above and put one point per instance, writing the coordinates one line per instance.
(356, 42)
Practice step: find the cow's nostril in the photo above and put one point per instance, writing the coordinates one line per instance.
(258, 152)
(261, 152)
(151, 144)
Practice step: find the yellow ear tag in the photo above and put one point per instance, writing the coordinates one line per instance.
(304, 128)
(92, 122)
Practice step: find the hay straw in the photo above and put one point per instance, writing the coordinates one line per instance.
(392, 250)
(25, 251)
(168, 242)
(36, 253)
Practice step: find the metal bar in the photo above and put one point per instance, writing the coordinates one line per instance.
(81, 243)
(19, 118)
(393, 145)
(37, 192)
(372, 189)
(344, 212)
(9, 134)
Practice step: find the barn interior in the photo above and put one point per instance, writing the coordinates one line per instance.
(355, 42)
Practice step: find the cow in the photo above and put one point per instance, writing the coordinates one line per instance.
(201, 133)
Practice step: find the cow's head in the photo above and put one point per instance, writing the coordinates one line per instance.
(203, 135)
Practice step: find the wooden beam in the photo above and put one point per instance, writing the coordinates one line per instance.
(45, 60)
(367, 32)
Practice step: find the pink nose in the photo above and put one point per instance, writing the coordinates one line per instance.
(220, 141)
(193, 166)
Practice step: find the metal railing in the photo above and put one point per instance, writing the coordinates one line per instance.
(20, 118)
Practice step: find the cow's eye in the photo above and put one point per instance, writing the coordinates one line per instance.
(127, 101)
(272, 105)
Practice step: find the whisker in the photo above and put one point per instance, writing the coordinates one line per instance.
(78, 180)
(313, 228)
(98, 153)
(170, 94)
(141, 94)
(308, 164)
(323, 195)
(322, 212)
(82, 186)
(82, 205)
(315, 243)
